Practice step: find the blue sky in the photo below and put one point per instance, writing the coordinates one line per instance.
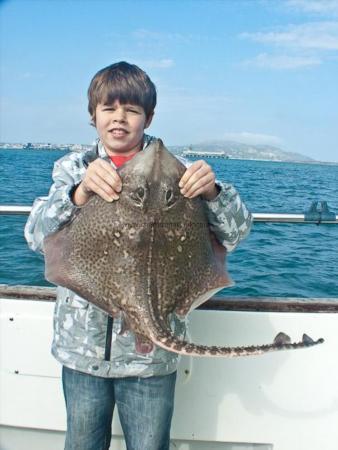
(253, 71)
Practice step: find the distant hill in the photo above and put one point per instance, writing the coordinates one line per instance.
(218, 149)
(237, 150)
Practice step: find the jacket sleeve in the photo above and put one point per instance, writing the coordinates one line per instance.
(228, 217)
(49, 213)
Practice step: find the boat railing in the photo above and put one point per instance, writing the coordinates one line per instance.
(318, 213)
(216, 303)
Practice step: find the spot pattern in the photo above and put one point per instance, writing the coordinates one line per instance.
(148, 256)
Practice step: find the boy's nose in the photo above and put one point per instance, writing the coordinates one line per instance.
(119, 115)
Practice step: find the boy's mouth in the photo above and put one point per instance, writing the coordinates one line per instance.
(118, 132)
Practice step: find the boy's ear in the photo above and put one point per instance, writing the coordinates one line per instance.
(149, 119)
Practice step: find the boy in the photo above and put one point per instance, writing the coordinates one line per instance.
(102, 366)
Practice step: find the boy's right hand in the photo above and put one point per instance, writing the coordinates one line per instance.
(100, 178)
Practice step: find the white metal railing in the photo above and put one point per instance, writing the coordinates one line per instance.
(289, 218)
(9, 210)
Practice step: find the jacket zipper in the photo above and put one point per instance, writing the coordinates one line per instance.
(109, 333)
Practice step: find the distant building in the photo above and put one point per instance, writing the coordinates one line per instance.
(198, 153)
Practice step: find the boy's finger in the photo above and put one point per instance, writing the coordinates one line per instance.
(202, 176)
(189, 172)
(195, 193)
(201, 185)
(105, 196)
(106, 171)
(96, 189)
(109, 174)
(194, 172)
(99, 186)
(110, 178)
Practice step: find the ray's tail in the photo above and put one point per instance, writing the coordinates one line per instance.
(282, 341)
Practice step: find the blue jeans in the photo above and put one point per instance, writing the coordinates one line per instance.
(145, 407)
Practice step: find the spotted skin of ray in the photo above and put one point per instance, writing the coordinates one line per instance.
(150, 254)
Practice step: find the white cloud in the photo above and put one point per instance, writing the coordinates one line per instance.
(268, 61)
(312, 35)
(304, 45)
(322, 7)
(247, 137)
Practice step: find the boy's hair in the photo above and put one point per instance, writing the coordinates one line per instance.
(124, 82)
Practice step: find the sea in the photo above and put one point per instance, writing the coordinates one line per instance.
(275, 260)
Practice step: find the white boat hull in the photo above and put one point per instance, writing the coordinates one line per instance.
(282, 401)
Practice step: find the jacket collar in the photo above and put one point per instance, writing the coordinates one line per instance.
(101, 152)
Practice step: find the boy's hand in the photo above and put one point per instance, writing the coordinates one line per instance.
(100, 178)
(199, 179)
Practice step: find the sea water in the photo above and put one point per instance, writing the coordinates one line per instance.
(279, 260)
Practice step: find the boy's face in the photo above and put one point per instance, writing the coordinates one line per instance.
(121, 127)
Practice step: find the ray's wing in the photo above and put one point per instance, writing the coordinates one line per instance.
(210, 281)
(190, 265)
(76, 256)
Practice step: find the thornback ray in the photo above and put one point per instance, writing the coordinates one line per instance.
(149, 254)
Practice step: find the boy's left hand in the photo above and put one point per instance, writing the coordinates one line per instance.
(199, 179)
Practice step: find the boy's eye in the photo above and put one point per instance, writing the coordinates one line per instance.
(133, 110)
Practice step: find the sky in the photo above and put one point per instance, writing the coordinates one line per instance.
(251, 71)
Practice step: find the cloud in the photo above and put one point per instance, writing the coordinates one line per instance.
(322, 7)
(247, 137)
(268, 61)
(313, 35)
(295, 46)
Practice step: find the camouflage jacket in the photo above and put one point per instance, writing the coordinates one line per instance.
(85, 338)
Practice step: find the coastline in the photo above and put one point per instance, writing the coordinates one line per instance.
(209, 155)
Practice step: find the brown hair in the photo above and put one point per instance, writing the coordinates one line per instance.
(124, 82)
